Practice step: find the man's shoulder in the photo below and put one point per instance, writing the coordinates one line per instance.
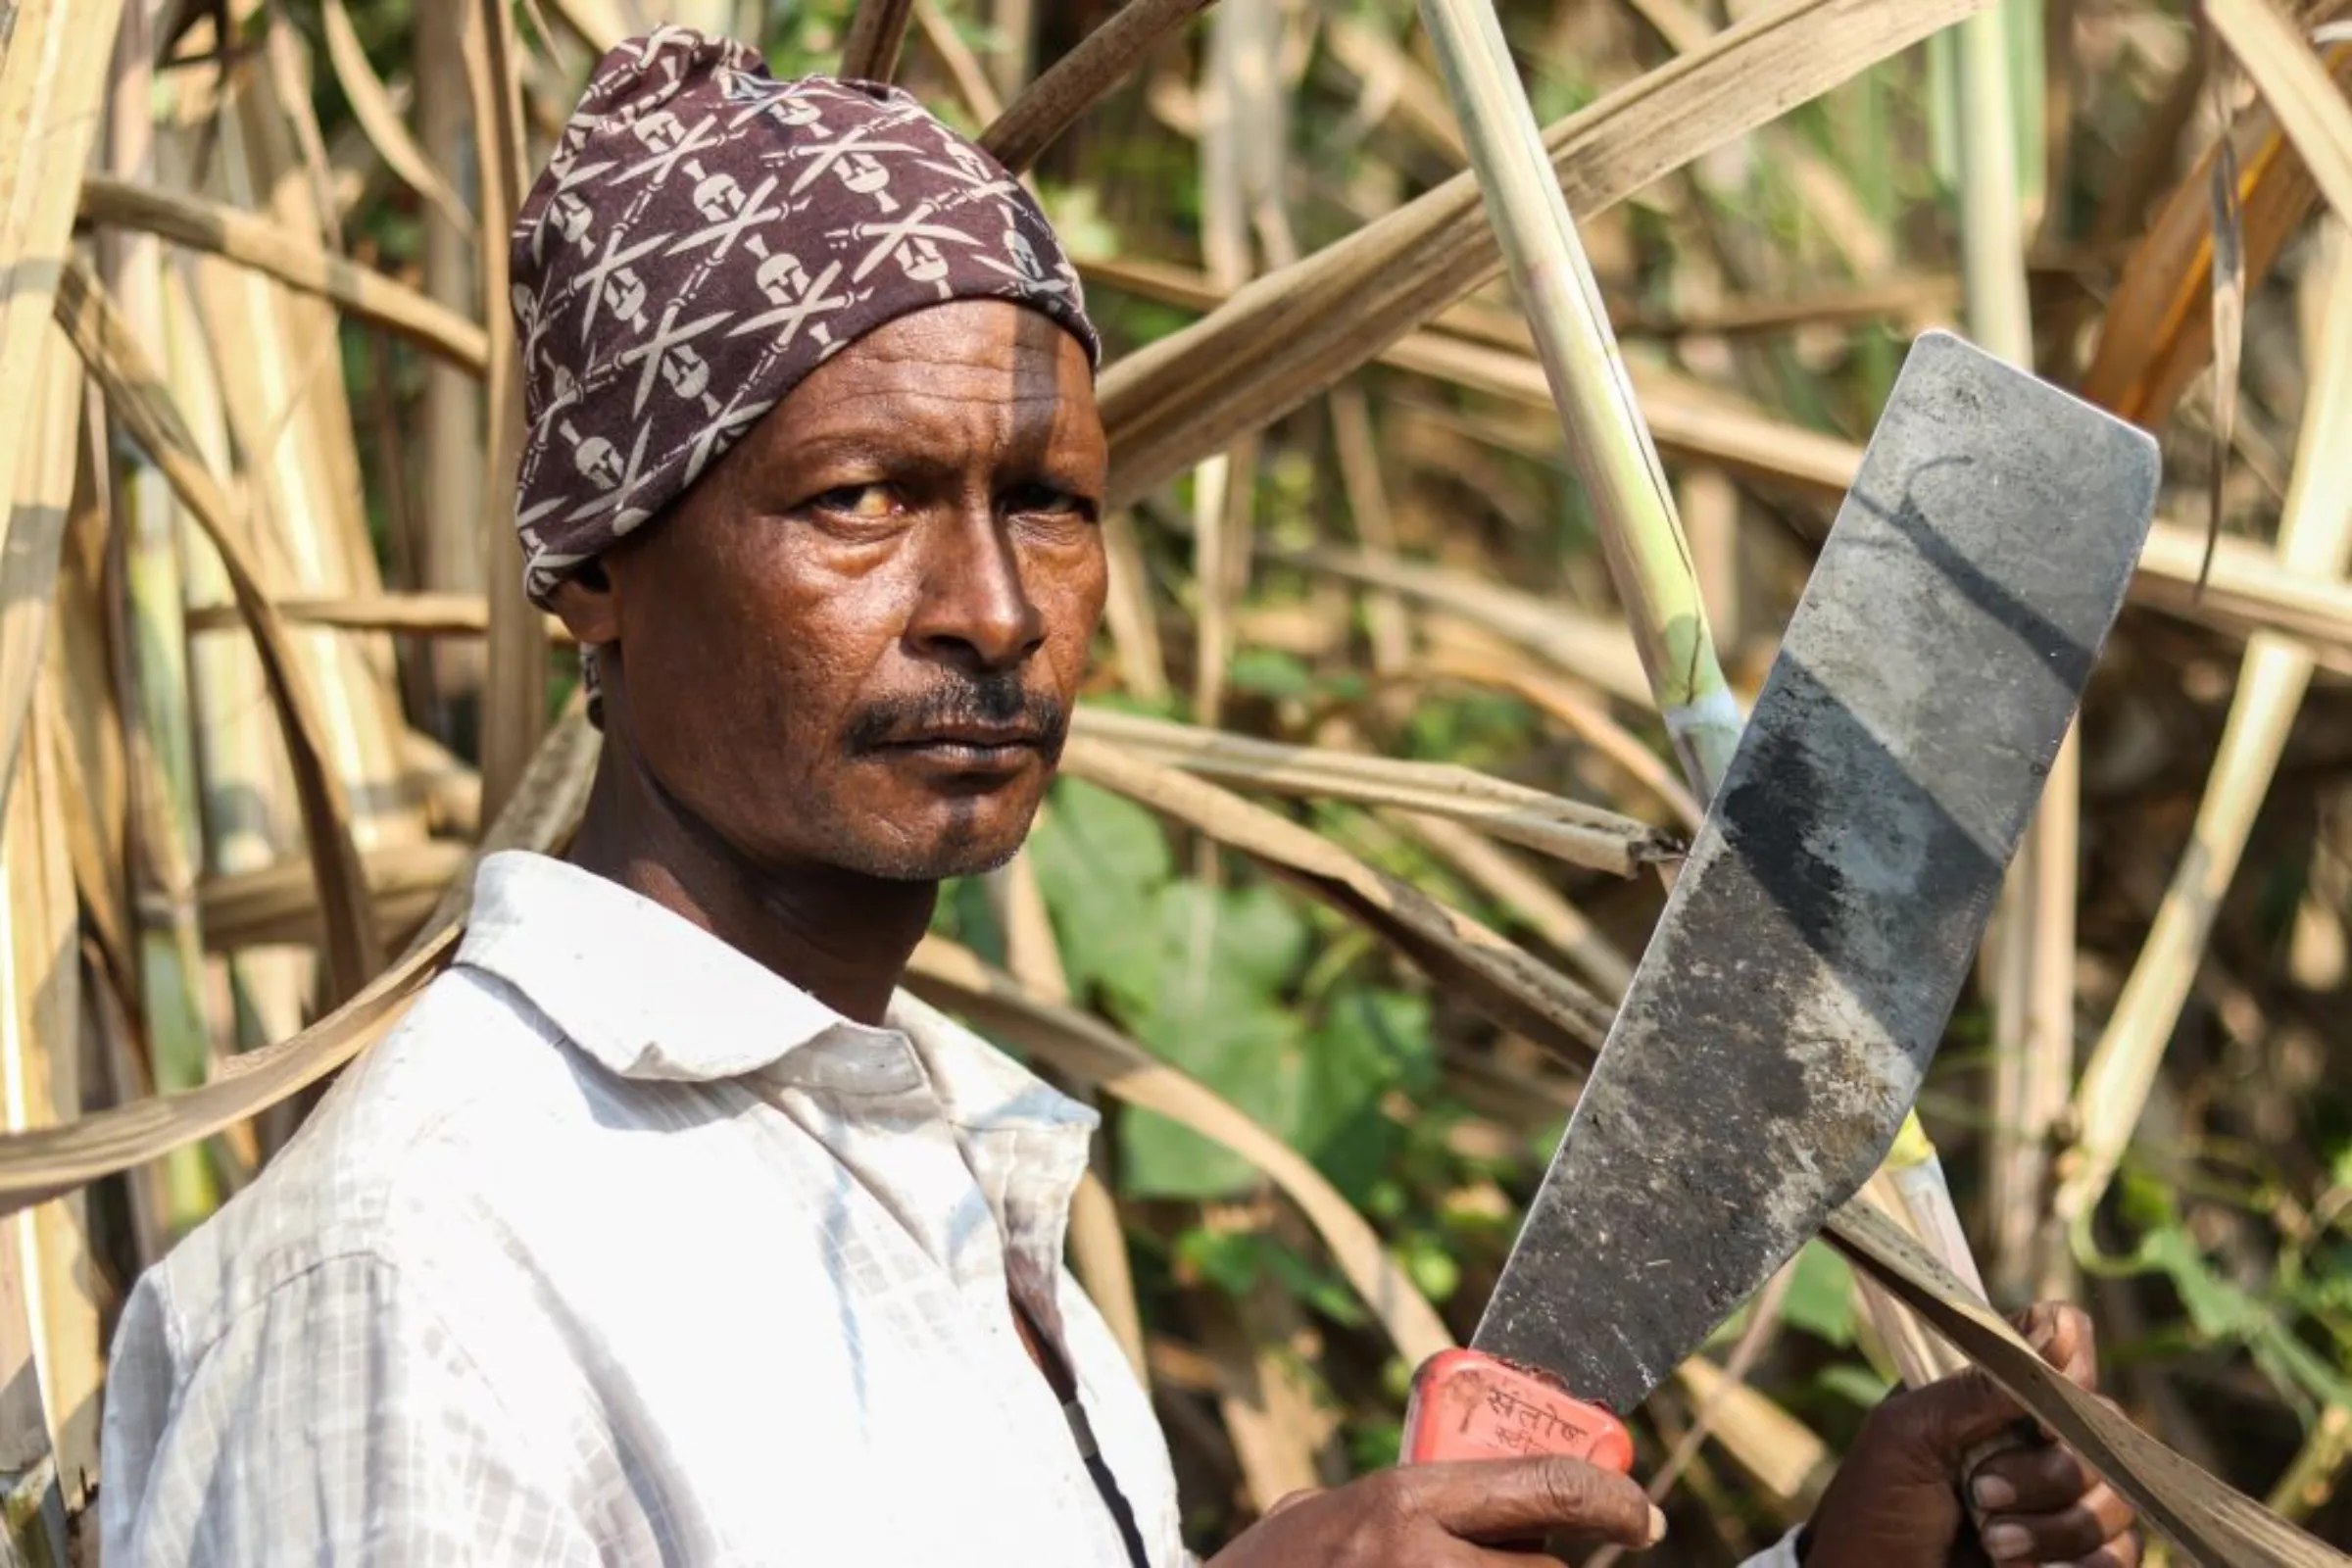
(400, 1157)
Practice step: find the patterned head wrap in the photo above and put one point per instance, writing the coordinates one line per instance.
(703, 238)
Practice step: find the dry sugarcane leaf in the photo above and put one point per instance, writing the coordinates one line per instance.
(1461, 651)
(40, 1164)
(52, 79)
(39, 502)
(1271, 1415)
(252, 240)
(1777, 1452)
(46, 1266)
(280, 903)
(1586, 647)
(43, 1162)
(2295, 84)
(2315, 540)
(422, 614)
(1295, 331)
(371, 106)
(2229, 326)
(515, 697)
(1493, 975)
(2154, 337)
(1083, 1045)
(133, 392)
(1567, 830)
(274, 371)
(1516, 886)
(2213, 1523)
(1050, 104)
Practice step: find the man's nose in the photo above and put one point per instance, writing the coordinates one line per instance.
(976, 610)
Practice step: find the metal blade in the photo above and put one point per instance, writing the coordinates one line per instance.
(1808, 958)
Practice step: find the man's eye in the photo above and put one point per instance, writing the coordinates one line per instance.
(856, 501)
(1044, 500)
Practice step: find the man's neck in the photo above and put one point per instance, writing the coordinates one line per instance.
(842, 937)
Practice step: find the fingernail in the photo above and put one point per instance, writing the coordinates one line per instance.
(2007, 1542)
(1993, 1494)
(1657, 1525)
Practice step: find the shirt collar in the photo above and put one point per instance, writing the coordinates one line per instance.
(649, 995)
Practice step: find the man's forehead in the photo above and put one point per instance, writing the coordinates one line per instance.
(973, 352)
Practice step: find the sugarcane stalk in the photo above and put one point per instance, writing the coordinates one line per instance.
(1608, 441)
(160, 740)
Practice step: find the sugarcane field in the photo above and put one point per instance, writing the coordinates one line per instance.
(1176, 783)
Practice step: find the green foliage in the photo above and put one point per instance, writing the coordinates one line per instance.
(1211, 978)
(1821, 1296)
(2223, 1309)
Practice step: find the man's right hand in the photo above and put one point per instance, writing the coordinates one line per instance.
(1456, 1515)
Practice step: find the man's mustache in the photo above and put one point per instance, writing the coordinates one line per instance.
(997, 701)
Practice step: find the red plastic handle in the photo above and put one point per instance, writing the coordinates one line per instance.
(1466, 1405)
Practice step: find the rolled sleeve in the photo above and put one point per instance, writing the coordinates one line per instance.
(337, 1419)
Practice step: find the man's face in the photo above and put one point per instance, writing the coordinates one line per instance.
(856, 641)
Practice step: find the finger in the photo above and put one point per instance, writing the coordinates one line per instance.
(2063, 1335)
(2041, 1479)
(1506, 1499)
(2076, 1534)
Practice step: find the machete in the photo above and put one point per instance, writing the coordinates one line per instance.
(1800, 980)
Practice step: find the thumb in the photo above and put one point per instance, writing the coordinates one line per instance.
(1953, 1416)
(1489, 1500)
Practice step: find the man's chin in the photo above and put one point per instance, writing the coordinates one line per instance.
(961, 842)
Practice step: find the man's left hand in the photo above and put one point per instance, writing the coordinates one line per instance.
(1896, 1501)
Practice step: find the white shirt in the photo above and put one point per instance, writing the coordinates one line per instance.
(622, 1251)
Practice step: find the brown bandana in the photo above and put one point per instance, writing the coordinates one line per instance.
(703, 238)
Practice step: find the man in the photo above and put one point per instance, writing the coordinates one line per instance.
(666, 1230)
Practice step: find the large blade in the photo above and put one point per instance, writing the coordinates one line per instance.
(1801, 976)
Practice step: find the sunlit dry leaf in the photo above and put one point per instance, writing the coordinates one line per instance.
(119, 365)
(2293, 81)
(255, 241)
(1567, 830)
(2315, 540)
(2154, 336)
(50, 81)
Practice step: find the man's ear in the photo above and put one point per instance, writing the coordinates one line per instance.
(588, 604)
